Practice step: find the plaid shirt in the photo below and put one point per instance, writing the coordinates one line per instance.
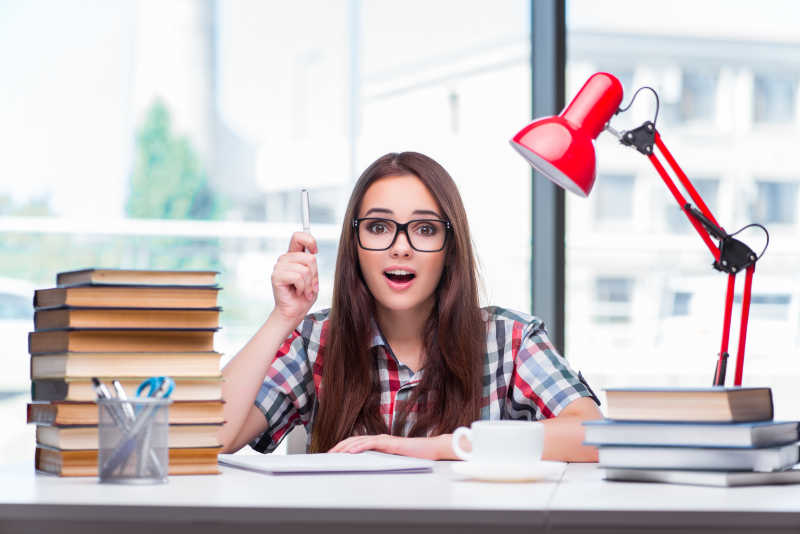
(524, 377)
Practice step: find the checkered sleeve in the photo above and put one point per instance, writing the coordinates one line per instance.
(543, 383)
(286, 397)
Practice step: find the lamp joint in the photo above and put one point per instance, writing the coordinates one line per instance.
(734, 256)
(642, 138)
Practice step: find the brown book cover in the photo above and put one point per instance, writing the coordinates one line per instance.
(116, 296)
(87, 317)
(121, 340)
(78, 437)
(136, 277)
(81, 389)
(182, 461)
(86, 413)
(714, 404)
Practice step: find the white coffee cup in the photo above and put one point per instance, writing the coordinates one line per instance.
(501, 442)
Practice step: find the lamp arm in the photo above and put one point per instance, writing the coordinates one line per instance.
(730, 256)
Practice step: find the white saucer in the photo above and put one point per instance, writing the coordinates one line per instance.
(499, 472)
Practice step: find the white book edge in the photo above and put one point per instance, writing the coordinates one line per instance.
(365, 462)
(704, 478)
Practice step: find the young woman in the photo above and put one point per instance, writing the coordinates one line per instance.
(405, 354)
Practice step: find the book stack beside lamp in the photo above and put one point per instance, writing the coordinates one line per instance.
(126, 325)
(707, 436)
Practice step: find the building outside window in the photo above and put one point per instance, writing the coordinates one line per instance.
(775, 98)
(719, 96)
(613, 296)
(613, 203)
(775, 202)
(177, 135)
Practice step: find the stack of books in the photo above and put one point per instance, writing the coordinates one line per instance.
(707, 436)
(126, 325)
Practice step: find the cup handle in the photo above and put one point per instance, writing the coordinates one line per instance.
(460, 432)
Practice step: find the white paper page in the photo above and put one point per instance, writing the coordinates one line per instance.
(364, 462)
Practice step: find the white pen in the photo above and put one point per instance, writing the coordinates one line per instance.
(126, 406)
(305, 213)
(306, 210)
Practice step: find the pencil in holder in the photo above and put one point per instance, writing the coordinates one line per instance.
(133, 440)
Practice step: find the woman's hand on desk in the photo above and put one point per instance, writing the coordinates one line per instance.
(435, 448)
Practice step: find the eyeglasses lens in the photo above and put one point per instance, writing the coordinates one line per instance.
(424, 235)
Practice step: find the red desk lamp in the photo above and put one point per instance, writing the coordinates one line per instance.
(562, 148)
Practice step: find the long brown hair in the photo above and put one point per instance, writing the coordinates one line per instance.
(449, 394)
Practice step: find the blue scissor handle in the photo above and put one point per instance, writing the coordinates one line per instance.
(156, 383)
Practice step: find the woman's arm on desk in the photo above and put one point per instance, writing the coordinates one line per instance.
(563, 439)
(295, 286)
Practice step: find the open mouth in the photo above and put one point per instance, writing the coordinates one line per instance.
(399, 277)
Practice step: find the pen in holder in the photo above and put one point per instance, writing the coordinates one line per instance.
(133, 433)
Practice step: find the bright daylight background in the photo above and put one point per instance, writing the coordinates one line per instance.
(644, 306)
(242, 103)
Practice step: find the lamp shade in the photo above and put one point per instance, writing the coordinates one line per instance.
(562, 147)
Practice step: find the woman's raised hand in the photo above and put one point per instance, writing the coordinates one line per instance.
(295, 280)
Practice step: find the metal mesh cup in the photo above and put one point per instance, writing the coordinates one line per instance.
(133, 445)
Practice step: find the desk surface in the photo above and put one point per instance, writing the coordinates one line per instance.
(441, 501)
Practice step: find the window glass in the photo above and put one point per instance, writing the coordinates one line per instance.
(775, 202)
(613, 300)
(728, 94)
(774, 98)
(614, 203)
(177, 135)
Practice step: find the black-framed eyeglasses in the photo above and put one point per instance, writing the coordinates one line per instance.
(424, 235)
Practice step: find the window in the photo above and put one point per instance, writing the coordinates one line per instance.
(767, 306)
(680, 303)
(775, 202)
(613, 297)
(698, 95)
(613, 199)
(774, 98)
(178, 135)
(707, 72)
(687, 94)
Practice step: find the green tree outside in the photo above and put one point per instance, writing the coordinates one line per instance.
(169, 182)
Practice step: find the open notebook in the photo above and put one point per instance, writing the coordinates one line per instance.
(329, 463)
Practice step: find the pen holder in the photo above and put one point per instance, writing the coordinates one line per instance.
(133, 440)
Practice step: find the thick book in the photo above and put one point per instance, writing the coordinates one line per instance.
(121, 340)
(85, 317)
(749, 434)
(85, 437)
(183, 461)
(705, 478)
(136, 277)
(81, 389)
(127, 296)
(718, 404)
(125, 364)
(702, 458)
(86, 413)
(327, 463)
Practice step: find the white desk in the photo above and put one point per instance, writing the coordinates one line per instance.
(441, 502)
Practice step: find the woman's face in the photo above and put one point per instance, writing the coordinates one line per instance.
(400, 278)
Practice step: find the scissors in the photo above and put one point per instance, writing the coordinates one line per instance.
(160, 386)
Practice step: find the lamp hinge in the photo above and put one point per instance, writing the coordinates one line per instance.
(642, 138)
